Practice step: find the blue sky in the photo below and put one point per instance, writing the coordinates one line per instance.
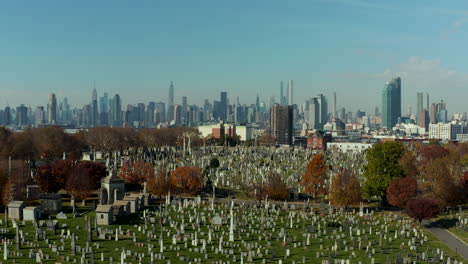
(135, 48)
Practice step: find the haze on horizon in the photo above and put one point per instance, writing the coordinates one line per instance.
(243, 47)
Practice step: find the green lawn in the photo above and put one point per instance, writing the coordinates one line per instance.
(248, 230)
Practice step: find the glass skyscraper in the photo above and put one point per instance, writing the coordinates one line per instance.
(391, 103)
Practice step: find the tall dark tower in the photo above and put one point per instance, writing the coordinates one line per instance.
(391, 103)
(116, 111)
(52, 109)
(281, 101)
(281, 123)
(170, 103)
(94, 106)
(223, 106)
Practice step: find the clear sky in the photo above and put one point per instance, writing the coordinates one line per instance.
(135, 48)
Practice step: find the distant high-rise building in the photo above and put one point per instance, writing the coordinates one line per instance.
(281, 93)
(313, 113)
(291, 92)
(184, 109)
(104, 113)
(177, 114)
(161, 109)
(116, 111)
(334, 105)
(170, 103)
(424, 119)
(22, 115)
(323, 110)
(7, 116)
(94, 111)
(223, 107)
(391, 103)
(39, 116)
(52, 111)
(427, 101)
(281, 123)
(419, 105)
(434, 113)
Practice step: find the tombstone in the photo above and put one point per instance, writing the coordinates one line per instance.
(217, 220)
(31, 213)
(104, 215)
(15, 210)
(61, 216)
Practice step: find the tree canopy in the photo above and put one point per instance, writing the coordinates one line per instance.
(383, 166)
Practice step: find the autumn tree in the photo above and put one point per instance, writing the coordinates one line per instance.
(52, 177)
(79, 184)
(137, 172)
(401, 190)
(4, 187)
(277, 189)
(383, 166)
(431, 152)
(160, 184)
(443, 181)
(315, 176)
(409, 164)
(187, 179)
(96, 171)
(422, 208)
(345, 189)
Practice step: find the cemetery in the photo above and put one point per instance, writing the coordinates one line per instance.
(196, 230)
(229, 216)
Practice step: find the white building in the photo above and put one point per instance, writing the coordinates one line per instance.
(348, 146)
(446, 131)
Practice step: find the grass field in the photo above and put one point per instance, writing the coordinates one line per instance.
(267, 234)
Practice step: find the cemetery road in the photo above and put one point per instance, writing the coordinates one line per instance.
(450, 240)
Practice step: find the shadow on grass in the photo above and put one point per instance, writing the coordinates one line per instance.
(447, 223)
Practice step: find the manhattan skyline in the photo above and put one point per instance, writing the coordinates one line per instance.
(242, 48)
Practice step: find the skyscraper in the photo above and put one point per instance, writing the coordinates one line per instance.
(52, 109)
(7, 116)
(314, 111)
(334, 105)
(391, 103)
(116, 111)
(94, 106)
(177, 114)
(39, 115)
(22, 115)
(281, 101)
(419, 106)
(170, 103)
(291, 92)
(104, 106)
(323, 110)
(223, 106)
(281, 123)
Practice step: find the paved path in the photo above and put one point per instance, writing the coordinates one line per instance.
(451, 240)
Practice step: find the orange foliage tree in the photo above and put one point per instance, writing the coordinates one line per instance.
(401, 190)
(409, 164)
(160, 184)
(277, 189)
(52, 177)
(345, 189)
(137, 172)
(443, 181)
(187, 179)
(315, 176)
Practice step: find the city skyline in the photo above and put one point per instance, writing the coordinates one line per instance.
(135, 50)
